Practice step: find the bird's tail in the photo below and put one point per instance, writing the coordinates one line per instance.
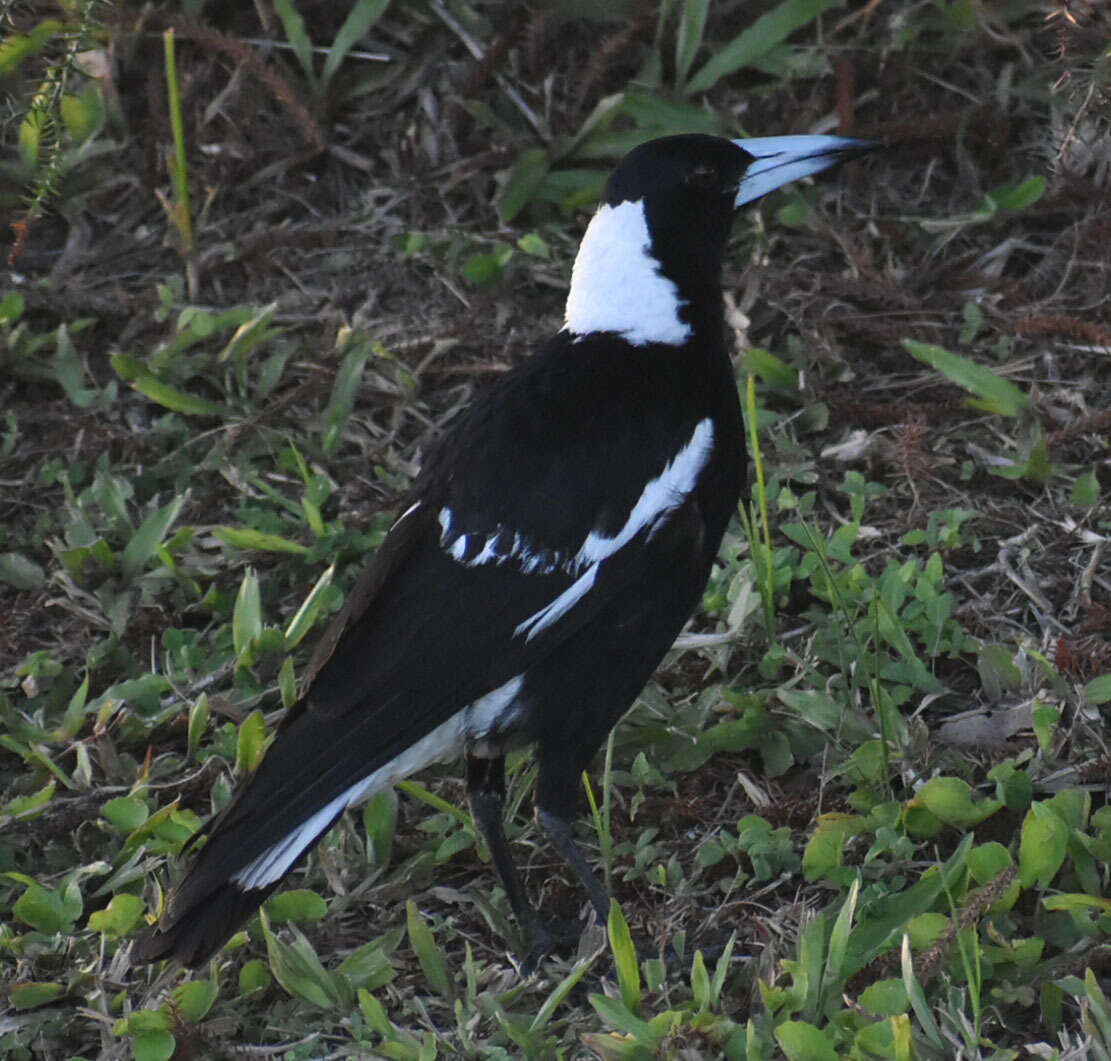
(224, 886)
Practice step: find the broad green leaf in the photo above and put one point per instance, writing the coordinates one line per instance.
(1085, 491)
(302, 622)
(49, 910)
(987, 861)
(801, 1041)
(368, 967)
(571, 189)
(199, 715)
(298, 969)
(773, 371)
(993, 393)
(560, 992)
(149, 536)
(1042, 847)
(885, 998)
(764, 34)
(143, 1020)
(1045, 722)
(885, 920)
(1016, 197)
(194, 999)
(254, 976)
(30, 137)
(148, 384)
(82, 114)
(1098, 690)
(287, 683)
(250, 335)
(74, 717)
(917, 998)
(825, 848)
(247, 538)
(614, 1013)
(299, 904)
(29, 806)
(524, 178)
(119, 917)
(153, 1046)
(700, 982)
(21, 573)
(485, 269)
(839, 935)
(532, 243)
(428, 953)
(31, 994)
(950, 800)
(380, 822)
(15, 47)
(126, 812)
(247, 616)
(1077, 901)
(624, 958)
(374, 1013)
(251, 743)
(345, 389)
(13, 303)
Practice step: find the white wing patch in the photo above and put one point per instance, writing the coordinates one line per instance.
(498, 548)
(660, 496)
(549, 614)
(476, 721)
(616, 283)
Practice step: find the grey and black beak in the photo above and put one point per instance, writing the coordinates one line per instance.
(778, 160)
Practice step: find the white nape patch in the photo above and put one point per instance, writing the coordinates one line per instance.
(662, 494)
(617, 286)
(446, 741)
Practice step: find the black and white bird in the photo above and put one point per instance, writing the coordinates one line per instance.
(550, 551)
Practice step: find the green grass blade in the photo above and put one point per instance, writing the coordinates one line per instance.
(763, 35)
(624, 958)
(993, 393)
(362, 16)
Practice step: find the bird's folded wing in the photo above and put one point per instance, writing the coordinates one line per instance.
(441, 620)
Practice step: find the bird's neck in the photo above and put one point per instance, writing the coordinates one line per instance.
(619, 285)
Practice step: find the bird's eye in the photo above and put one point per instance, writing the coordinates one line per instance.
(704, 176)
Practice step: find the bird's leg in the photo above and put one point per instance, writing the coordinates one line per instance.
(486, 796)
(558, 830)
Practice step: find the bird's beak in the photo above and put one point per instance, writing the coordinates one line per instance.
(778, 160)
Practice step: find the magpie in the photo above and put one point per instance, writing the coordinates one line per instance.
(552, 546)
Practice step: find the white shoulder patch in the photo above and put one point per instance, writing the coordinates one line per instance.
(616, 283)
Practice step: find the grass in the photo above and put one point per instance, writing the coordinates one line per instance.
(860, 812)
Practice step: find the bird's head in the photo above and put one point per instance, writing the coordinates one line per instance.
(658, 240)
